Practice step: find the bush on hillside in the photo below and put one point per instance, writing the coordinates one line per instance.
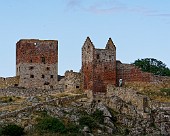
(50, 124)
(12, 130)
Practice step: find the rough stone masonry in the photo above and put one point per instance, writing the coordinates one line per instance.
(37, 63)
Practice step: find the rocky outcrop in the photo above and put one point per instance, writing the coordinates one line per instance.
(140, 114)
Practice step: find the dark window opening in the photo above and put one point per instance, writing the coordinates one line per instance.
(42, 76)
(77, 87)
(105, 68)
(15, 85)
(66, 86)
(51, 76)
(51, 45)
(46, 83)
(31, 76)
(31, 61)
(31, 67)
(48, 68)
(87, 67)
(98, 56)
(51, 87)
(43, 60)
(98, 101)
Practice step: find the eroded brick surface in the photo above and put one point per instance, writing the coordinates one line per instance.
(98, 66)
(37, 63)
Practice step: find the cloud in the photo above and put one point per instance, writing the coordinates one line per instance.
(97, 10)
(162, 14)
(111, 6)
(73, 4)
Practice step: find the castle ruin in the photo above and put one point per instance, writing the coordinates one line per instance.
(98, 66)
(37, 63)
(37, 67)
(100, 69)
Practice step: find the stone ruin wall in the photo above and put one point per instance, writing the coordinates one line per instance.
(130, 73)
(104, 69)
(37, 63)
(87, 64)
(98, 66)
(8, 82)
(141, 102)
(70, 82)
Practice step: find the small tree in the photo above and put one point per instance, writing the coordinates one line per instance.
(153, 66)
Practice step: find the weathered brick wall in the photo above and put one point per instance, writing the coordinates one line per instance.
(37, 63)
(98, 66)
(8, 82)
(104, 69)
(131, 73)
(31, 51)
(87, 64)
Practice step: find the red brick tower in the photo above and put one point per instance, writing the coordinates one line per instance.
(98, 66)
(37, 63)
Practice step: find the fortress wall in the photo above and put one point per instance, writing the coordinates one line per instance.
(131, 73)
(8, 82)
(72, 81)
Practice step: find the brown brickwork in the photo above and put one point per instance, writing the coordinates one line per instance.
(37, 63)
(98, 66)
(32, 51)
(131, 73)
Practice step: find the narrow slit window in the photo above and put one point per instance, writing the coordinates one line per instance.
(98, 56)
(43, 60)
(48, 68)
(31, 68)
(31, 76)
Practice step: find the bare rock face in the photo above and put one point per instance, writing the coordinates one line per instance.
(124, 112)
(141, 115)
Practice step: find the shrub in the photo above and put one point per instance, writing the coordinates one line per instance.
(87, 120)
(166, 91)
(72, 128)
(98, 116)
(12, 130)
(0, 131)
(50, 124)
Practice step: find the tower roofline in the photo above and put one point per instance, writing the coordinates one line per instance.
(110, 44)
(88, 40)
